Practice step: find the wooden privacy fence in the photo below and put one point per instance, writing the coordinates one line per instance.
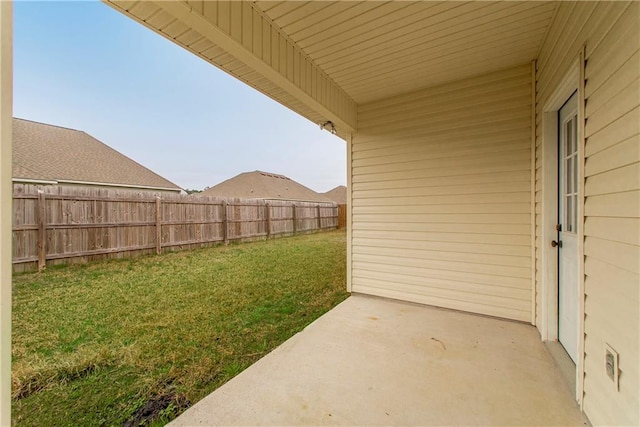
(342, 216)
(53, 225)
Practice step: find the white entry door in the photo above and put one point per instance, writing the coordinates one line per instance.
(567, 243)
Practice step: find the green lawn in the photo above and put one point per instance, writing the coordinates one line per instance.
(106, 342)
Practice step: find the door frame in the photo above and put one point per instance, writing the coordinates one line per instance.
(572, 81)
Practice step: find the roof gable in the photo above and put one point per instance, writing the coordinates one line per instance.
(53, 153)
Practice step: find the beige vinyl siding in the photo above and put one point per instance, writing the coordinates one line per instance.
(610, 34)
(441, 188)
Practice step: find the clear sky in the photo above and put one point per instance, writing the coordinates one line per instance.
(85, 66)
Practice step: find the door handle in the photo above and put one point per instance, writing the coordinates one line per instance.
(556, 243)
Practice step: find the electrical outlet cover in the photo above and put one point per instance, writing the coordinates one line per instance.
(611, 365)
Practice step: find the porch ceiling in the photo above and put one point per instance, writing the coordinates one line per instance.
(375, 49)
(323, 58)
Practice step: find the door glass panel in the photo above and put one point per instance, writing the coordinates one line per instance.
(569, 138)
(570, 160)
(569, 179)
(569, 212)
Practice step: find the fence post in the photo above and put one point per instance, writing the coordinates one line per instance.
(341, 221)
(268, 218)
(319, 218)
(295, 219)
(158, 225)
(42, 232)
(225, 236)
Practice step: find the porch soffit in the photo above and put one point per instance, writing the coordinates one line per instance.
(323, 58)
(375, 50)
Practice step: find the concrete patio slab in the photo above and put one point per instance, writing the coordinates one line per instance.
(373, 361)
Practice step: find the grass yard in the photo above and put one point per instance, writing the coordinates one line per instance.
(108, 343)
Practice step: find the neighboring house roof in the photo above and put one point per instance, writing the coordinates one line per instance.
(264, 185)
(43, 152)
(338, 195)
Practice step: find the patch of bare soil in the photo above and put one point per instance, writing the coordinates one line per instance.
(157, 407)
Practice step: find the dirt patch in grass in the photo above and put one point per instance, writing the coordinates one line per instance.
(159, 408)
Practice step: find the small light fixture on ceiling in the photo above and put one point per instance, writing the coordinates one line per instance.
(328, 125)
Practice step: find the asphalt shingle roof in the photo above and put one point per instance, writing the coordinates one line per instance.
(47, 152)
(338, 195)
(264, 185)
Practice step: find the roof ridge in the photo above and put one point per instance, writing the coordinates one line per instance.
(274, 175)
(49, 124)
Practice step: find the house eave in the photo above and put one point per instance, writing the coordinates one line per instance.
(110, 184)
(92, 183)
(33, 181)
